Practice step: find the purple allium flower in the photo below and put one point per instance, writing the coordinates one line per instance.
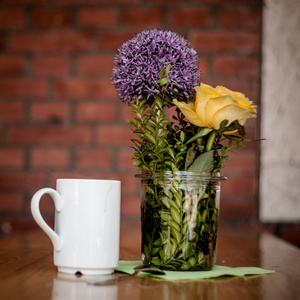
(140, 60)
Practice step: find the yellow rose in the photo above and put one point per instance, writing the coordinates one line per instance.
(214, 105)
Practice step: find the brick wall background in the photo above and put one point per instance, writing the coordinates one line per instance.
(59, 113)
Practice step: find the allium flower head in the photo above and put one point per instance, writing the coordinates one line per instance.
(140, 60)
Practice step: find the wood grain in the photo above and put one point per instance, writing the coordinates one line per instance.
(27, 271)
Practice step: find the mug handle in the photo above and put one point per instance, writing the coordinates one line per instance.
(35, 210)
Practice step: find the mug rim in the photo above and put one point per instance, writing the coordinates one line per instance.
(87, 179)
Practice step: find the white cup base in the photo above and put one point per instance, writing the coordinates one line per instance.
(84, 271)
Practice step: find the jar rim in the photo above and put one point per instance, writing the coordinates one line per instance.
(211, 176)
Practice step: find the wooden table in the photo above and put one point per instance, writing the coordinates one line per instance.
(27, 271)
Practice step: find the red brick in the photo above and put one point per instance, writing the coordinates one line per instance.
(167, 1)
(115, 135)
(85, 2)
(46, 207)
(53, 111)
(51, 65)
(90, 158)
(96, 112)
(12, 180)
(190, 17)
(131, 206)
(129, 183)
(126, 113)
(225, 41)
(237, 210)
(125, 162)
(57, 18)
(113, 41)
(47, 42)
(228, 1)
(239, 186)
(95, 65)
(249, 66)
(1, 42)
(240, 18)
(49, 135)
(12, 18)
(24, 2)
(143, 17)
(50, 157)
(19, 87)
(243, 160)
(204, 66)
(84, 88)
(11, 157)
(11, 65)
(98, 17)
(11, 111)
(11, 202)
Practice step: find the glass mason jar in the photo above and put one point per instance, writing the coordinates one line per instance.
(179, 219)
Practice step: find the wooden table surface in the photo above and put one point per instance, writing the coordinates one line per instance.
(27, 271)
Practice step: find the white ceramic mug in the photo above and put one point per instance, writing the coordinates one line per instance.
(86, 238)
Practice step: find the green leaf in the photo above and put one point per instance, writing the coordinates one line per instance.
(224, 158)
(176, 234)
(156, 261)
(175, 225)
(150, 137)
(138, 131)
(182, 136)
(168, 68)
(203, 163)
(175, 215)
(190, 157)
(171, 152)
(157, 242)
(163, 81)
(152, 122)
(192, 261)
(173, 247)
(151, 129)
(165, 121)
(201, 133)
(185, 266)
(154, 251)
(165, 201)
(174, 204)
(223, 125)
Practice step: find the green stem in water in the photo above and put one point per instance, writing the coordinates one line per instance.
(210, 141)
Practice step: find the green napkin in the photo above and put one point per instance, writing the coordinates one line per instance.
(217, 271)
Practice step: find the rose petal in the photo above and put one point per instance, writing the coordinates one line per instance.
(230, 113)
(207, 89)
(216, 104)
(189, 112)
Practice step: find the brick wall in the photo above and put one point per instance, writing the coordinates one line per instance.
(59, 113)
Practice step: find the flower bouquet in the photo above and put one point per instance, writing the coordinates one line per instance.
(179, 158)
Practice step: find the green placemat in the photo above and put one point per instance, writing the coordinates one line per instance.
(217, 271)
